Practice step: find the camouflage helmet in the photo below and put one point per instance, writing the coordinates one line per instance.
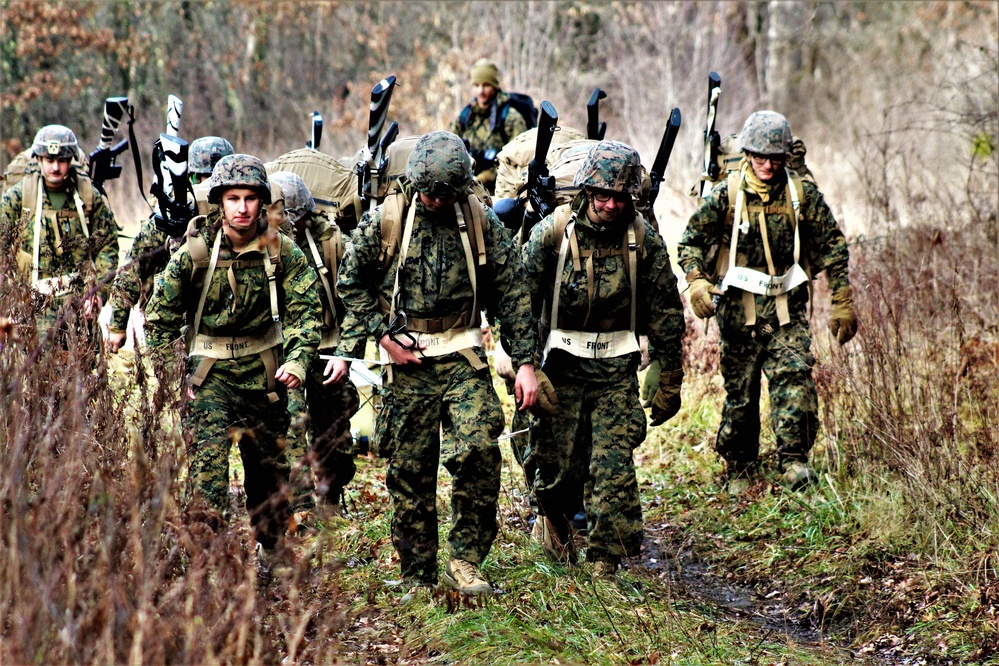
(205, 153)
(55, 141)
(612, 166)
(766, 133)
(440, 165)
(238, 170)
(298, 200)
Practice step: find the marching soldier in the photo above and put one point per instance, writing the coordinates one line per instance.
(774, 231)
(248, 298)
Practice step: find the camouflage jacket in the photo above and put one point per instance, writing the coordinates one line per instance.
(435, 280)
(94, 258)
(333, 313)
(823, 246)
(147, 257)
(659, 313)
(247, 312)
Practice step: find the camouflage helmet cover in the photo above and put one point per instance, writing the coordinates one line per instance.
(55, 141)
(238, 170)
(439, 165)
(298, 200)
(205, 152)
(766, 133)
(611, 166)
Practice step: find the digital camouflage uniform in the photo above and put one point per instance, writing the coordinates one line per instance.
(586, 448)
(782, 353)
(320, 414)
(151, 247)
(443, 390)
(487, 130)
(147, 257)
(66, 249)
(233, 400)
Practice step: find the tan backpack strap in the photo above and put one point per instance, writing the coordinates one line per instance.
(476, 213)
(393, 209)
(196, 324)
(322, 269)
(459, 213)
(39, 198)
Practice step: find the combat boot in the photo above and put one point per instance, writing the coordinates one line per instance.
(797, 475)
(739, 477)
(605, 568)
(558, 548)
(465, 577)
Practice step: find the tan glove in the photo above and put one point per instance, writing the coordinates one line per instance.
(666, 402)
(651, 383)
(702, 291)
(844, 318)
(547, 403)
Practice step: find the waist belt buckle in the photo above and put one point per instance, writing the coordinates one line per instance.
(398, 331)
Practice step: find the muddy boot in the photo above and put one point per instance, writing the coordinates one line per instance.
(465, 577)
(739, 477)
(559, 547)
(796, 475)
(605, 568)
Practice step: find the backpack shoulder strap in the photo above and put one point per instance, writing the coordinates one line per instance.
(562, 216)
(393, 210)
(464, 116)
(196, 246)
(475, 212)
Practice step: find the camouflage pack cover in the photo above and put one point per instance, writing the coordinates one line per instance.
(766, 133)
(512, 161)
(239, 170)
(202, 152)
(332, 184)
(611, 166)
(55, 141)
(439, 157)
(298, 200)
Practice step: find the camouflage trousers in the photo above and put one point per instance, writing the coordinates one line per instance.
(420, 401)
(320, 425)
(586, 449)
(221, 414)
(783, 354)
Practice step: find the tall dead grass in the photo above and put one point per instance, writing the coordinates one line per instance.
(100, 560)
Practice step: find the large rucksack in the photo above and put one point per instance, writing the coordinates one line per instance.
(333, 185)
(512, 161)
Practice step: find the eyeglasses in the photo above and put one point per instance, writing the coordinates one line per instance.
(441, 190)
(775, 160)
(604, 197)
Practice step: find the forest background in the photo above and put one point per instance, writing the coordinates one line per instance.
(892, 558)
(890, 97)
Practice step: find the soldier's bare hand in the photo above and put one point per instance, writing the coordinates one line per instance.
(525, 387)
(114, 341)
(399, 354)
(335, 371)
(286, 378)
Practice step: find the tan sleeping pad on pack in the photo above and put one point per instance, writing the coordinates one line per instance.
(512, 161)
(332, 184)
